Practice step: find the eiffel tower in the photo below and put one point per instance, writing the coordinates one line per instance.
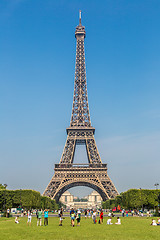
(66, 173)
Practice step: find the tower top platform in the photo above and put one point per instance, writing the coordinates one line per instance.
(80, 30)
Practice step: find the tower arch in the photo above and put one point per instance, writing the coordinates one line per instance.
(84, 183)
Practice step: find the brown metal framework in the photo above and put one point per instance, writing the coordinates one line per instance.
(67, 174)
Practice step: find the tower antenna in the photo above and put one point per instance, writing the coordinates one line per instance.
(79, 17)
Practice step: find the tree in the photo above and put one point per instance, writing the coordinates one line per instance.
(135, 199)
(26, 198)
(2, 187)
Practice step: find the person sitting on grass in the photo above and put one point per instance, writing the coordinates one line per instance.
(109, 221)
(158, 223)
(153, 223)
(118, 221)
(16, 219)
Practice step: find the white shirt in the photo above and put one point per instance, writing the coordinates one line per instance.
(119, 221)
(109, 221)
(154, 223)
(29, 214)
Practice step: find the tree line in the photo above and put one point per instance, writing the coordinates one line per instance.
(135, 199)
(28, 199)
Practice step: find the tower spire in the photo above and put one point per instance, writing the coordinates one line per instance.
(80, 18)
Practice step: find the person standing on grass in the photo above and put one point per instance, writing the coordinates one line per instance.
(61, 212)
(60, 220)
(101, 216)
(29, 214)
(45, 217)
(22, 212)
(78, 217)
(94, 217)
(126, 213)
(61, 217)
(70, 214)
(37, 214)
(72, 217)
(8, 213)
(85, 212)
(123, 211)
(89, 213)
(39, 219)
(132, 213)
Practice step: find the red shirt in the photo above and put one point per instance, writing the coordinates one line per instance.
(101, 215)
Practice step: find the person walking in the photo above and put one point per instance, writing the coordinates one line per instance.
(45, 217)
(39, 219)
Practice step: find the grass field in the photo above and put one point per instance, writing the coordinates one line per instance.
(131, 228)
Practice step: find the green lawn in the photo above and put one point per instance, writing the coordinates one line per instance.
(131, 228)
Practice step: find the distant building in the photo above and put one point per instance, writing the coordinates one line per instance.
(93, 201)
(67, 199)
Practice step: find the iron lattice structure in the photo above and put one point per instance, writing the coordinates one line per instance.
(67, 174)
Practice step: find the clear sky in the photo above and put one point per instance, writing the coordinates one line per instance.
(37, 62)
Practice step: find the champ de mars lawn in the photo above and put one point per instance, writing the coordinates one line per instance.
(131, 228)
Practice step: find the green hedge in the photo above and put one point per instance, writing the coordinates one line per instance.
(26, 198)
(134, 199)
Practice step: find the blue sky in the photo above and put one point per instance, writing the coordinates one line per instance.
(37, 63)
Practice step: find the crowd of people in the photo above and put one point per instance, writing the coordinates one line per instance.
(39, 214)
(75, 216)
